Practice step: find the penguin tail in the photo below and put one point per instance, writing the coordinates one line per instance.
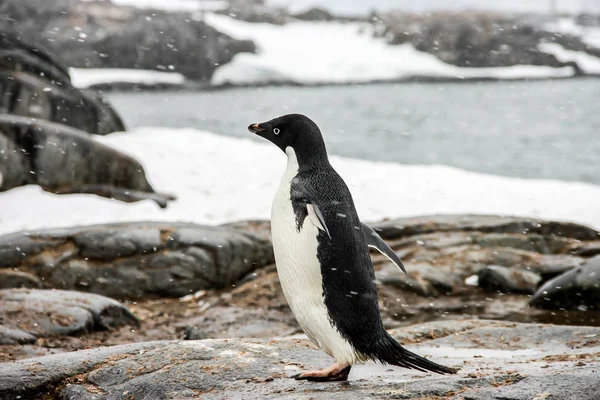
(389, 351)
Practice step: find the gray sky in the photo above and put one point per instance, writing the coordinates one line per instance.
(362, 6)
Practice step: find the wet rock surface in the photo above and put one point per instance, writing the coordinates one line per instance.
(498, 360)
(444, 256)
(131, 260)
(577, 289)
(27, 314)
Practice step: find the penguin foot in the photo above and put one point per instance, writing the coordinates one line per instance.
(335, 373)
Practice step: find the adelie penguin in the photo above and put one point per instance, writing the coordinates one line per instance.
(322, 257)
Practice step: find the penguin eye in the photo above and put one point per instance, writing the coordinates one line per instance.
(276, 131)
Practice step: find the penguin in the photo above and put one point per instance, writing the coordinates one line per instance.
(322, 257)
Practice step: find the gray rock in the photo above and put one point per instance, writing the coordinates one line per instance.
(440, 252)
(18, 279)
(578, 288)
(481, 39)
(56, 158)
(588, 250)
(223, 322)
(42, 88)
(194, 333)
(124, 37)
(10, 336)
(549, 266)
(498, 361)
(137, 259)
(403, 227)
(43, 313)
(508, 280)
(530, 242)
(423, 279)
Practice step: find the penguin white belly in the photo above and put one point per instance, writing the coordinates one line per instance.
(299, 271)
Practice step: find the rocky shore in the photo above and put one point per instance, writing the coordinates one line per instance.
(470, 284)
(103, 35)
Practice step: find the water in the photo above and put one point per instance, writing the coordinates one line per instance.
(539, 129)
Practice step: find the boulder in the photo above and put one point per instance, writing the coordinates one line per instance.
(65, 160)
(402, 227)
(35, 313)
(130, 260)
(40, 86)
(18, 279)
(576, 289)
(104, 35)
(495, 278)
(497, 360)
(481, 39)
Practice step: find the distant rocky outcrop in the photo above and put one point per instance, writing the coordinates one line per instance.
(480, 39)
(102, 35)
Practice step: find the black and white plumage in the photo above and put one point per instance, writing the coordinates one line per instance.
(322, 256)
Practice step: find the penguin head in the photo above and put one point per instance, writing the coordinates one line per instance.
(293, 130)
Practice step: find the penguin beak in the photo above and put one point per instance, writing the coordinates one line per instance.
(255, 128)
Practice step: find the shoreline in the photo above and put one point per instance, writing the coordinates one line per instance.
(204, 87)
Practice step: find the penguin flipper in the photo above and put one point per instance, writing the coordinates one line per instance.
(305, 207)
(316, 216)
(375, 241)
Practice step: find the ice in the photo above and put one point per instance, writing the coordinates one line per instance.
(219, 179)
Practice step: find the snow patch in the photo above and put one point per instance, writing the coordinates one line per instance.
(85, 77)
(219, 179)
(340, 52)
(176, 5)
(588, 63)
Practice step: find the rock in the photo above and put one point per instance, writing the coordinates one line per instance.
(497, 360)
(11, 336)
(20, 56)
(41, 88)
(507, 280)
(588, 250)
(530, 242)
(223, 322)
(549, 266)
(130, 260)
(103, 35)
(577, 289)
(57, 158)
(402, 227)
(250, 13)
(18, 279)
(43, 313)
(315, 14)
(442, 251)
(422, 279)
(193, 333)
(481, 39)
